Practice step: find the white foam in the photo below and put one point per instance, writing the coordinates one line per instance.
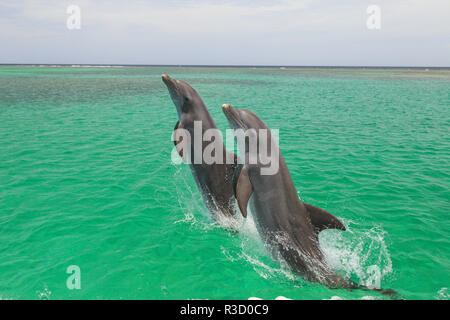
(277, 298)
(282, 298)
(443, 294)
(45, 294)
(358, 252)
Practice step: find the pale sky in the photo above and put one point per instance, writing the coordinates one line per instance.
(233, 32)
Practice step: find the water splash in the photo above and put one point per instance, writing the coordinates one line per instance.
(45, 294)
(443, 294)
(358, 252)
(188, 199)
(253, 251)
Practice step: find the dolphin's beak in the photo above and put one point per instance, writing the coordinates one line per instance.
(170, 83)
(230, 111)
(174, 91)
(232, 116)
(226, 107)
(227, 110)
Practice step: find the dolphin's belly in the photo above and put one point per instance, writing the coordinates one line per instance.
(295, 244)
(213, 184)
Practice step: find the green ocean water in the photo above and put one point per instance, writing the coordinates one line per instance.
(86, 179)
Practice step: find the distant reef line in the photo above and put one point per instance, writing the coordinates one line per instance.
(221, 66)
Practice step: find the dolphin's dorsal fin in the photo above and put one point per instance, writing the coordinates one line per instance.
(242, 187)
(322, 219)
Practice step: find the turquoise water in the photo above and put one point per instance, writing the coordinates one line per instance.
(86, 179)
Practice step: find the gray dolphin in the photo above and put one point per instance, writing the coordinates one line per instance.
(288, 226)
(213, 180)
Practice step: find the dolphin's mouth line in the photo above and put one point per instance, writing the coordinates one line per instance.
(174, 92)
(231, 114)
(170, 83)
(241, 124)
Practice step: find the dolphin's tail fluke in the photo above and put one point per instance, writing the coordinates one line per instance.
(337, 281)
(386, 292)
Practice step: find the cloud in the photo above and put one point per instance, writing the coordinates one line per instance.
(405, 17)
(220, 32)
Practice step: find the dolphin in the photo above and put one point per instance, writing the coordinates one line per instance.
(288, 226)
(213, 180)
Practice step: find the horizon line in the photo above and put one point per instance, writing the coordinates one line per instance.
(224, 66)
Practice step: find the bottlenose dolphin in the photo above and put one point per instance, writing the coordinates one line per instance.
(213, 180)
(288, 226)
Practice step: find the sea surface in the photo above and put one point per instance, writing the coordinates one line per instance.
(86, 179)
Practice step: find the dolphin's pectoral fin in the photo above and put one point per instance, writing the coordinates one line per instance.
(177, 141)
(243, 188)
(322, 219)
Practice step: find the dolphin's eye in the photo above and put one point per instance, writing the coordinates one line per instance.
(186, 99)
